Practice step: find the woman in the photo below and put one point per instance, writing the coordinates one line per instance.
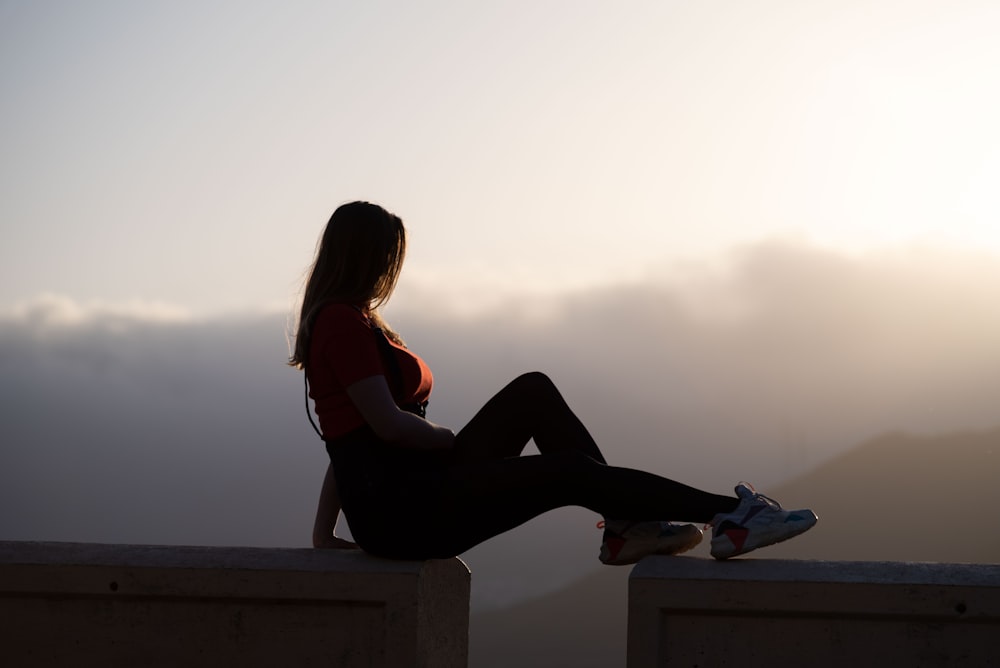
(412, 489)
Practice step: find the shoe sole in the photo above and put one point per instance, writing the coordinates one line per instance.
(782, 539)
(689, 544)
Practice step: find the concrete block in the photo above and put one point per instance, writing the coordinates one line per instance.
(687, 611)
(131, 605)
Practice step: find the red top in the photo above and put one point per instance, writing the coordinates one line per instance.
(343, 350)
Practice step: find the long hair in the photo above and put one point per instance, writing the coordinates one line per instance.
(358, 261)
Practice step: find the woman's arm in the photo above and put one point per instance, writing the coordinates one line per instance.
(326, 515)
(372, 398)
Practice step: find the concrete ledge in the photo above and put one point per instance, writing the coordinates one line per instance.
(130, 605)
(686, 611)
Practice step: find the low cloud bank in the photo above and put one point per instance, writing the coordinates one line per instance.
(773, 362)
(128, 425)
(51, 312)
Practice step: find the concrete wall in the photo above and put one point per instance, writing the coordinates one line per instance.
(65, 604)
(756, 612)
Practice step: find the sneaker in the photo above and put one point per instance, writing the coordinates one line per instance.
(628, 542)
(758, 521)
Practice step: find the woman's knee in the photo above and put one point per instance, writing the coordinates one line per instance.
(535, 383)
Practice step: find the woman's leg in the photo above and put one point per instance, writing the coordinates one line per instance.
(490, 488)
(529, 407)
(479, 500)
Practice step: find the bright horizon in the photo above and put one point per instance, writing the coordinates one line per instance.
(184, 157)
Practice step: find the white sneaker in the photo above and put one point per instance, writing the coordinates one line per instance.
(628, 542)
(757, 522)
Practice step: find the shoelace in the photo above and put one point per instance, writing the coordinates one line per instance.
(757, 497)
(768, 500)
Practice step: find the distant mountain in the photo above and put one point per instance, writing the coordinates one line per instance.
(897, 497)
(902, 497)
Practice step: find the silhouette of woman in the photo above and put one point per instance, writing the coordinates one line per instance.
(412, 489)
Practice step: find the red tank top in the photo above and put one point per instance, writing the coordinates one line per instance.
(344, 350)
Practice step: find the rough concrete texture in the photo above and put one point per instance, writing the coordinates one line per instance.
(777, 613)
(130, 605)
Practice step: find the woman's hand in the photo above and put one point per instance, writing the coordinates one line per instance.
(444, 438)
(331, 542)
(327, 512)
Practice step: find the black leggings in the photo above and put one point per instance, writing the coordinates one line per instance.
(409, 504)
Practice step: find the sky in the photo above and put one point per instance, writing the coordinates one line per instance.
(184, 156)
(741, 237)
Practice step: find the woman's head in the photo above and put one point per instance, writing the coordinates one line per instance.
(358, 261)
(359, 257)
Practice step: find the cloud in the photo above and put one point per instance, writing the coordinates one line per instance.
(136, 424)
(784, 349)
(52, 312)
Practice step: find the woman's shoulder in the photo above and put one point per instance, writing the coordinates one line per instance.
(341, 330)
(342, 310)
(337, 315)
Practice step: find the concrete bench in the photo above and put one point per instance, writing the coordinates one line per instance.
(686, 611)
(130, 605)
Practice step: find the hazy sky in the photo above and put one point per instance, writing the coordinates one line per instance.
(187, 154)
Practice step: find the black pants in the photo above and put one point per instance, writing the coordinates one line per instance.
(410, 504)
